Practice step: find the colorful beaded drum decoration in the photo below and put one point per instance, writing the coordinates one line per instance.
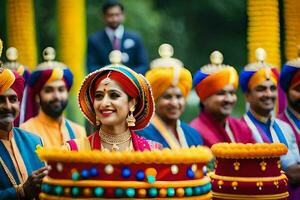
(248, 171)
(178, 174)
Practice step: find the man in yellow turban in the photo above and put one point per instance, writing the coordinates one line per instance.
(171, 84)
(259, 83)
(216, 85)
(13, 64)
(21, 171)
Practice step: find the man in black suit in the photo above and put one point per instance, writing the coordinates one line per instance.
(115, 37)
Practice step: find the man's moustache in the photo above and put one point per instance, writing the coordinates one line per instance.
(5, 112)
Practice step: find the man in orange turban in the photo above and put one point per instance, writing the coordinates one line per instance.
(13, 64)
(216, 85)
(171, 84)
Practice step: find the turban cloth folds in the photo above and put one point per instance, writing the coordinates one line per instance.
(126, 84)
(135, 85)
(162, 78)
(40, 77)
(289, 77)
(11, 79)
(208, 84)
(37, 81)
(249, 79)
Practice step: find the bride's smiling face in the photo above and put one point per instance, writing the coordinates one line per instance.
(111, 104)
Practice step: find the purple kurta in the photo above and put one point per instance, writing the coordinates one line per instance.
(293, 190)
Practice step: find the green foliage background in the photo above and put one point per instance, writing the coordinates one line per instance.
(195, 28)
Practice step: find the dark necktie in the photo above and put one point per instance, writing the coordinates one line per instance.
(116, 43)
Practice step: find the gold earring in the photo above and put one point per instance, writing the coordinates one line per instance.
(98, 122)
(130, 118)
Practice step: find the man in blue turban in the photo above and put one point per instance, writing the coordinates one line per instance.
(49, 88)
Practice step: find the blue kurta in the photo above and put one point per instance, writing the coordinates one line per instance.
(26, 143)
(282, 132)
(192, 136)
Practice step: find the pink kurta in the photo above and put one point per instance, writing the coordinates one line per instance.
(213, 132)
(94, 143)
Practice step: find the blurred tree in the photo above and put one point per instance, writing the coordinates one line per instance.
(197, 28)
(3, 24)
(46, 25)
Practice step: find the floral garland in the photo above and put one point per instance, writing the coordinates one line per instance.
(193, 154)
(292, 28)
(21, 30)
(264, 30)
(238, 150)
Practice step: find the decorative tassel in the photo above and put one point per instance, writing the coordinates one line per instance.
(130, 119)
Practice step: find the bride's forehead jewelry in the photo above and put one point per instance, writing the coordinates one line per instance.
(106, 81)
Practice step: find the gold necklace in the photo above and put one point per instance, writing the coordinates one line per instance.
(19, 188)
(129, 148)
(114, 140)
(8, 173)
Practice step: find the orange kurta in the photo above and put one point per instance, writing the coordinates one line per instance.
(52, 132)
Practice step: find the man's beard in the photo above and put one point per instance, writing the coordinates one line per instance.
(52, 110)
(295, 105)
(8, 116)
